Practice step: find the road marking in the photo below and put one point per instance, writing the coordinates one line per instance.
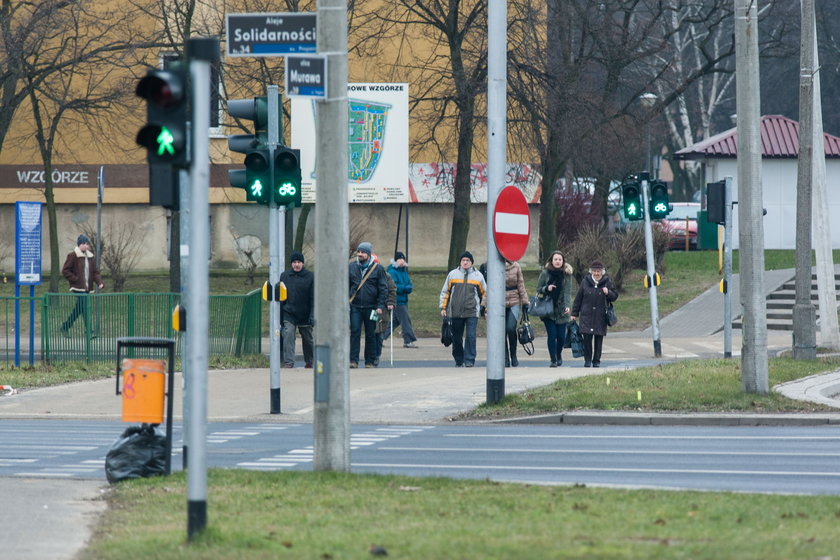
(591, 469)
(608, 451)
(595, 436)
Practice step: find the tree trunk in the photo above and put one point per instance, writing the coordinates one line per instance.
(463, 180)
(305, 209)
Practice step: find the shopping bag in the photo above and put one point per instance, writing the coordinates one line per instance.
(446, 332)
(575, 340)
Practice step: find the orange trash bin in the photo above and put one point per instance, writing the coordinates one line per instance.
(143, 390)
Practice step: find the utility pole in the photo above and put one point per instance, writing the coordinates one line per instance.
(804, 312)
(754, 364)
(332, 313)
(829, 328)
(497, 150)
(277, 244)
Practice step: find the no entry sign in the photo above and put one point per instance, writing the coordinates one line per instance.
(511, 223)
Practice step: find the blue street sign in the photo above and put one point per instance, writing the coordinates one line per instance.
(28, 243)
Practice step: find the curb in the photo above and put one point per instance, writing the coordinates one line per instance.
(654, 419)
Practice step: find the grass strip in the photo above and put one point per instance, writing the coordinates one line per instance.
(317, 515)
(684, 386)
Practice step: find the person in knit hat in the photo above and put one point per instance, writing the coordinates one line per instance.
(368, 300)
(80, 271)
(461, 299)
(596, 291)
(298, 310)
(398, 271)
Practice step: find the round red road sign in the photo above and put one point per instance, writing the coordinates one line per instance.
(511, 223)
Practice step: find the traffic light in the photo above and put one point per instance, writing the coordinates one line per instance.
(631, 193)
(659, 205)
(258, 175)
(287, 177)
(165, 132)
(716, 203)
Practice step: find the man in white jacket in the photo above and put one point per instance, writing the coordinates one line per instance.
(461, 299)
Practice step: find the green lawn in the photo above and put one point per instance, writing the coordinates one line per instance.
(317, 515)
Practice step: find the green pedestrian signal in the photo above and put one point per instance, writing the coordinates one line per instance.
(258, 175)
(165, 142)
(165, 133)
(631, 194)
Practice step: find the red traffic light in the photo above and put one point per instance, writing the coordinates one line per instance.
(161, 87)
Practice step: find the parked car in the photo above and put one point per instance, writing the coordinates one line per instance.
(681, 224)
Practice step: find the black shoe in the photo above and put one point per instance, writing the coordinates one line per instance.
(553, 364)
(513, 361)
(559, 362)
(459, 364)
(596, 364)
(587, 364)
(468, 364)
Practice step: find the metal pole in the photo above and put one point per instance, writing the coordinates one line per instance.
(184, 252)
(332, 313)
(496, 159)
(201, 53)
(754, 361)
(651, 269)
(727, 269)
(277, 244)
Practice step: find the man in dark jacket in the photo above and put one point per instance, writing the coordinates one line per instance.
(81, 272)
(368, 297)
(298, 310)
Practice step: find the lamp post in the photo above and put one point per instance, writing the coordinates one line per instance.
(648, 100)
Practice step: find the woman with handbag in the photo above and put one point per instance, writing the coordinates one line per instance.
(595, 293)
(555, 283)
(515, 299)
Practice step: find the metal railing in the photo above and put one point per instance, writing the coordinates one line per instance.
(85, 327)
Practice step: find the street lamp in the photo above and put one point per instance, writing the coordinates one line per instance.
(648, 100)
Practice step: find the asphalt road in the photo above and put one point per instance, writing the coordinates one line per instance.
(799, 460)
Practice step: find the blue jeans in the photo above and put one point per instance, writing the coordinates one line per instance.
(464, 351)
(556, 335)
(361, 316)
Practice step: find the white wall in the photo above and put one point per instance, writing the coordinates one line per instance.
(778, 177)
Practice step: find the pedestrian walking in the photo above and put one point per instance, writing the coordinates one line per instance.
(555, 282)
(298, 310)
(516, 297)
(80, 271)
(590, 307)
(461, 299)
(368, 297)
(398, 271)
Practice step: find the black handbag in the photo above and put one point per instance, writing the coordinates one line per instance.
(576, 340)
(612, 318)
(446, 332)
(541, 306)
(525, 333)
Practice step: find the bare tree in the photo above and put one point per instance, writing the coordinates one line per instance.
(441, 49)
(121, 247)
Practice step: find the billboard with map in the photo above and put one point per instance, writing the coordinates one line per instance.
(377, 142)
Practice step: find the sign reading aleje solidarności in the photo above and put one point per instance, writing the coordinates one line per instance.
(270, 34)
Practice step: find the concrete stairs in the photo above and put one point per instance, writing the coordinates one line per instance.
(781, 301)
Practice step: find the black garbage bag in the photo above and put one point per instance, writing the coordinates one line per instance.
(576, 340)
(139, 452)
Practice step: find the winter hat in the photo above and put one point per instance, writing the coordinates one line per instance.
(365, 247)
(469, 256)
(596, 265)
(83, 239)
(399, 255)
(296, 256)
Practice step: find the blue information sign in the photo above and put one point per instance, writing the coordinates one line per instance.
(28, 243)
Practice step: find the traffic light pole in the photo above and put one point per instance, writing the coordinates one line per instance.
(651, 272)
(727, 269)
(277, 243)
(201, 52)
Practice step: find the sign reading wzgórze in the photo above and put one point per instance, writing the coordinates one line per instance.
(270, 34)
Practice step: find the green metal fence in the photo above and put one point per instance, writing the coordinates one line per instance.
(85, 327)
